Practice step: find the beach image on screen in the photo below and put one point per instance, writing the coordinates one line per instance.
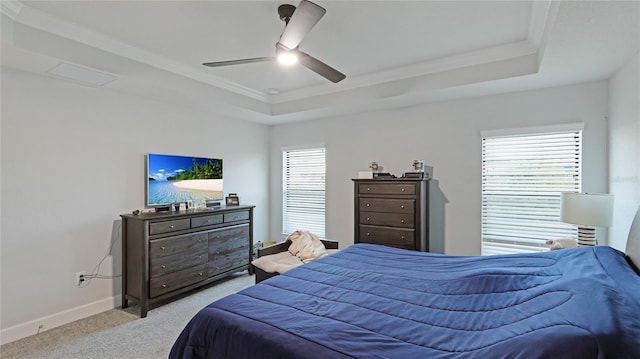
(173, 179)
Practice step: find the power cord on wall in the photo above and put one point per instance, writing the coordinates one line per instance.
(95, 273)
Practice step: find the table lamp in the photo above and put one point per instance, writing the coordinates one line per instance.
(587, 210)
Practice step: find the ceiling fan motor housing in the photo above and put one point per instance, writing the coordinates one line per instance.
(286, 11)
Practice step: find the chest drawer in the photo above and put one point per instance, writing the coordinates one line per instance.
(168, 226)
(394, 237)
(390, 205)
(172, 245)
(206, 220)
(177, 280)
(404, 220)
(387, 188)
(236, 216)
(169, 264)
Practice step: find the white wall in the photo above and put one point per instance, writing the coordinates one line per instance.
(72, 161)
(624, 148)
(447, 136)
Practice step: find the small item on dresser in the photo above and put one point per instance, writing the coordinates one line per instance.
(375, 167)
(385, 175)
(233, 199)
(418, 165)
(365, 174)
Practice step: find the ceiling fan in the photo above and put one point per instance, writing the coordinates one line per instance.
(299, 22)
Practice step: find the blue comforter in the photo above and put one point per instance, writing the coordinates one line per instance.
(369, 301)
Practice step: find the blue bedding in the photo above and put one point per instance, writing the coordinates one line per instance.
(369, 301)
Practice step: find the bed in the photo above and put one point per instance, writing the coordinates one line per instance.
(369, 301)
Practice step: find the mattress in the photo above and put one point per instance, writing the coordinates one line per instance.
(369, 301)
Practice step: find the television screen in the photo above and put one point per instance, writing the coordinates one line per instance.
(174, 179)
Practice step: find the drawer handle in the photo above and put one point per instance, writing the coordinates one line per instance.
(368, 188)
(200, 257)
(402, 237)
(162, 248)
(172, 226)
(218, 252)
(368, 234)
(368, 219)
(402, 190)
(402, 221)
(402, 206)
(164, 286)
(200, 274)
(368, 205)
(208, 221)
(163, 266)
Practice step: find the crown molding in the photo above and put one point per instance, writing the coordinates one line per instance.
(11, 8)
(543, 16)
(45, 22)
(484, 56)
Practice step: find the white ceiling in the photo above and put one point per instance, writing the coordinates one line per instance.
(394, 53)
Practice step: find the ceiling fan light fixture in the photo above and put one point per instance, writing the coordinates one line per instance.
(287, 57)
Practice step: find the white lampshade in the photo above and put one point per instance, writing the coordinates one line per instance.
(587, 209)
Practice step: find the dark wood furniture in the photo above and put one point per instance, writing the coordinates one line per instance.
(278, 248)
(392, 212)
(168, 253)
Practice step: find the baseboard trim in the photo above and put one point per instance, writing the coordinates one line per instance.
(32, 327)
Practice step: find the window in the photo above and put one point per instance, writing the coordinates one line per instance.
(303, 191)
(522, 178)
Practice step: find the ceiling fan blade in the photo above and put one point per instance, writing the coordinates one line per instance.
(305, 17)
(320, 67)
(238, 62)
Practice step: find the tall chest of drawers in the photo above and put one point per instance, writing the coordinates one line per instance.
(165, 254)
(392, 212)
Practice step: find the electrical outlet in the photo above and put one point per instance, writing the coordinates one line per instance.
(80, 279)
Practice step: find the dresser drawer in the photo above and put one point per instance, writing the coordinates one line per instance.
(394, 237)
(224, 262)
(172, 245)
(206, 220)
(404, 220)
(169, 226)
(236, 216)
(387, 205)
(169, 264)
(176, 280)
(228, 248)
(240, 231)
(387, 188)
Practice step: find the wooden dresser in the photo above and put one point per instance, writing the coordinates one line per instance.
(168, 253)
(392, 212)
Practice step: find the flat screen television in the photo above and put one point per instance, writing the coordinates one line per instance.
(176, 179)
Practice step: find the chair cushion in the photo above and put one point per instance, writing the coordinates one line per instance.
(278, 262)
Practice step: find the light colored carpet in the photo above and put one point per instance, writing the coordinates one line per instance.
(119, 333)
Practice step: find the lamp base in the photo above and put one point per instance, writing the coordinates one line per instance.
(587, 236)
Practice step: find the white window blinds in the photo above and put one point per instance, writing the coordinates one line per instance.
(303, 191)
(522, 178)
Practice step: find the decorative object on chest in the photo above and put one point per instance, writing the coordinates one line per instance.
(392, 212)
(168, 253)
